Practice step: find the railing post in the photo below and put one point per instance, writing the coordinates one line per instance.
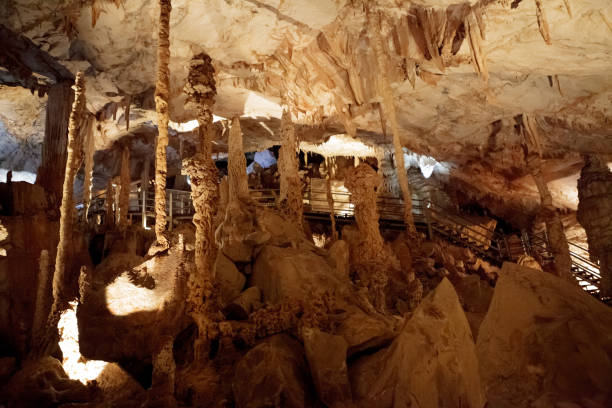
(170, 210)
(144, 207)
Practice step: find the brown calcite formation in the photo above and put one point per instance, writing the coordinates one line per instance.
(370, 257)
(88, 153)
(595, 215)
(110, 199)
(205, 195)
(290, 181)
(53, 166)
(236, 163)
(162, 96)
(60, 290)
(554, 226)
(389, 108)
(124, 188)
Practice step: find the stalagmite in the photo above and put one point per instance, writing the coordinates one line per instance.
(162, 96)
(236, 162)
(124, 188)
(594, 214)
(290, 181)
(60, 296)
(110, 199)
(389, 107)
(370, 257)
(40, 308)
(332, 214)
(554, 227)
(88, 150)
(201, 91)
(542, 22)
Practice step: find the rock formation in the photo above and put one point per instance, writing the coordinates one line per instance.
(529, 312)
(389, 107)
(60, 290)
(204, 193)
(162, 96)
(290, 181)
(124, 189)
(51, 172)
(594, 208)
(88, 153)
(371, 259)
(237, 177)
(554, 226)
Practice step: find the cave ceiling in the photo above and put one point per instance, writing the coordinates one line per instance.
(461, 73)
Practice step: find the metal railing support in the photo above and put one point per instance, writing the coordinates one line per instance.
(143, 210)
(170, 210)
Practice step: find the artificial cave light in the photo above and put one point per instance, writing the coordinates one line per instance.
(75, 365)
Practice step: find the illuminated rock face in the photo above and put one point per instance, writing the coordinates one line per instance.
(594, 209)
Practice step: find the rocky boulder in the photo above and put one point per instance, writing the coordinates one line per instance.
(326, 354)
(273, 374)
(545, 343)
(230, 280)
(287, 273)
(431, 363)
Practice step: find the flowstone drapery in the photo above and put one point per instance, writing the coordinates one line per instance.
(595, 215)
(162, 95)
(288, 165)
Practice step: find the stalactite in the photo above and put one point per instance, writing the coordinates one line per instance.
(60, 296)
(542, 22)
(201, 91)
(88, 151)
(162, 96)
(332, 213)
(290, 181)
(568, 8)
(594, 209)
(128, 102)
(124, 188)
(475, 40)
(236, 163)
(389, 107)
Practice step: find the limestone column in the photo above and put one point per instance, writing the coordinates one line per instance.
(389, 108)
(162, 96)
(201, 91)
(332, 213)
(50, 174)
(88, 150)
(368, 255)
(595, 215)
(554, 227)
(124, 188)
(288, 167)
(236, 163)
(60, 295)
